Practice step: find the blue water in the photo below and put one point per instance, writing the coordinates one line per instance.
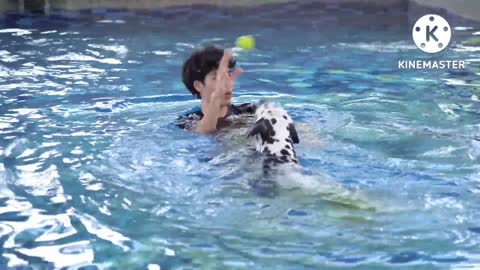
(93, 175)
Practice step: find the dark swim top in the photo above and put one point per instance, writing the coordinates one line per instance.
(189, 120)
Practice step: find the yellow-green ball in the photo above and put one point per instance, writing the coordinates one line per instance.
(246, 42)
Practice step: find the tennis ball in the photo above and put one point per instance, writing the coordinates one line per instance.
(246, 42)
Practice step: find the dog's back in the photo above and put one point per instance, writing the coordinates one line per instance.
(275, 136)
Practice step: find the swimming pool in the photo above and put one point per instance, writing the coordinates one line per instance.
(94, 175)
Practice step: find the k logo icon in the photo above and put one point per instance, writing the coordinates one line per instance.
(431, 33)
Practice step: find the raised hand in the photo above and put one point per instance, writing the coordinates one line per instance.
(215, 107)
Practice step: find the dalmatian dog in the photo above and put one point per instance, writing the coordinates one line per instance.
(275, 136)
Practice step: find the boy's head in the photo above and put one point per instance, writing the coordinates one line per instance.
(199, 72)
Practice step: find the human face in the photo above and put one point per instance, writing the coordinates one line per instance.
(209, 85)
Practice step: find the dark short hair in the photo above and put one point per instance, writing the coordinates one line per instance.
(199, 64)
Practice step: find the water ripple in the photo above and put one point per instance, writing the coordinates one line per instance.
(80, 57)
(92, 167)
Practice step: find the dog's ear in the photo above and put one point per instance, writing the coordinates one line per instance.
(293, 133)
(259, 128)
(264, 128)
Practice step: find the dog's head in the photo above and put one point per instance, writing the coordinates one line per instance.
(274, 131)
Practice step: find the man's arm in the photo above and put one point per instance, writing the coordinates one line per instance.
(208, 124)
(224, 81)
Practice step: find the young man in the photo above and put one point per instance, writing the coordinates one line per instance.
(208, 75)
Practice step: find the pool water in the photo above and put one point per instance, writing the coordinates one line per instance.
(94, 174)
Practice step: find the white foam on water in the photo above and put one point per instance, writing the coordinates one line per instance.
(463, 28)
(80, 57)
(328, 189)
(6, 56)
(62, 256)
(95, 227)
(474, 151)
(446, 151)
(48, 32)
(462, 48)
(380, 46)
(162, 52)
(16, 31)
(153, 267)
(121, 50)
(112, 21)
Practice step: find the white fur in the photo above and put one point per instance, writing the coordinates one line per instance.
(269, 111)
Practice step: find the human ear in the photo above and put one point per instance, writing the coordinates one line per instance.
(198, 86)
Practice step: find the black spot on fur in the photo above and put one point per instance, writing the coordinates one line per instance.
(264, 128)
(265, 131)
(293, 133)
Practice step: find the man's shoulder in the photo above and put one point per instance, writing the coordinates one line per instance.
(189, 119)
(243, 108)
